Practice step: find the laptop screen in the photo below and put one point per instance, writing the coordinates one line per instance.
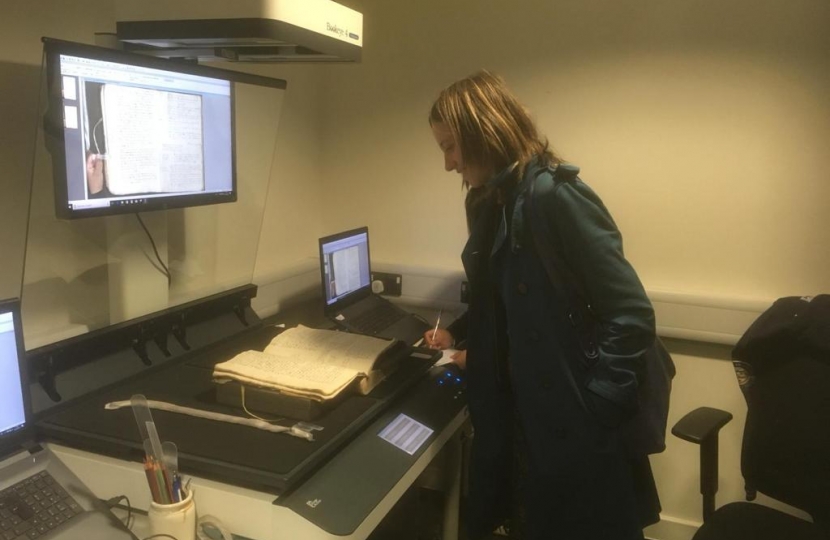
(344, 263)
(12, 397)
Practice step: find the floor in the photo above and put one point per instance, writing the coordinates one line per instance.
(417, 516)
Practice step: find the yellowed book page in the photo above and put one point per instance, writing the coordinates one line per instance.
(282, 371)
(369, 382)
(330, 347)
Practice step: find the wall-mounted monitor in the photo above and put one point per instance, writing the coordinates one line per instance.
(131, 133)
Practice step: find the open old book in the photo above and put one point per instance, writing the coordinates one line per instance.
(304, 362)
(154, 140)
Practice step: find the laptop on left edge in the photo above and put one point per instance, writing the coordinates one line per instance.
(40, 498)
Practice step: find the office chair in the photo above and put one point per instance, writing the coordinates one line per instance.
(783, 368)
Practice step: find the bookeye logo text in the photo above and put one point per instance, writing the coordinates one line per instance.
(313, 503)
(342, 32)
(334, 29)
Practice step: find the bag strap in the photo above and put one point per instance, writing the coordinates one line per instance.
(566, 284)
(553, 263)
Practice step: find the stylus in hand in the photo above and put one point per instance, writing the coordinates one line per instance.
(436, 324)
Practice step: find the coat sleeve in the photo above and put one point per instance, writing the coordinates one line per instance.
(592, 248)
(458, 330)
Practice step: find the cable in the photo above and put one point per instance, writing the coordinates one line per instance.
(40, 90)
(242, 397)
(166, 270)
(114, 502)
(161, 535)
(94, 138)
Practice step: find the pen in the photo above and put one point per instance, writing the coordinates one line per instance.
(177, 487)
(436, 324)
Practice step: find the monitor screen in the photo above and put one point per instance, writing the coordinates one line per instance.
(134, 133)
(12, 396)
(344, 262)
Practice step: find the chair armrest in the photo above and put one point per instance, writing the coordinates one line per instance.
(701, 424)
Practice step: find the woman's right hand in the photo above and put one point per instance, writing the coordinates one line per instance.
(440, 339)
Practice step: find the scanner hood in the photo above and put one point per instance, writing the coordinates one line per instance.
(241, 30)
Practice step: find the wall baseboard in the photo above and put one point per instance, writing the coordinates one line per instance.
(670, 528)
(704, 318)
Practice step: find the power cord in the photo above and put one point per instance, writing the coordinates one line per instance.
(166, 270)
(115, 501)
(209, 525)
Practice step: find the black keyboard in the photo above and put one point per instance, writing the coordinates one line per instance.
(34, 506)
(376, 319)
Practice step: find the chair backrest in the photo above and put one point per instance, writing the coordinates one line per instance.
(783, 365)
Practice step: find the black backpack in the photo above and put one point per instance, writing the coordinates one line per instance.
(645, 432)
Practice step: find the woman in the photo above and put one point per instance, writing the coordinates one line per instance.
(546, 455)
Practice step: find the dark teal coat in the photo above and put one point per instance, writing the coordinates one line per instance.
(579, 482)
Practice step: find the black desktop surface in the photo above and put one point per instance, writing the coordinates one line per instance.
(241, 455)
(369, 466)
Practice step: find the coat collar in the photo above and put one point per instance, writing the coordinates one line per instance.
(516, 197)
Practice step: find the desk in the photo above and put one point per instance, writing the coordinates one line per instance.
(259, 515)
(253, 514)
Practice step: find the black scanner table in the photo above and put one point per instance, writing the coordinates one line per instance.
(222, 451)
(263, 485)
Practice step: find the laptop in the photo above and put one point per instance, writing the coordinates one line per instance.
(349, 302)
(40, 498)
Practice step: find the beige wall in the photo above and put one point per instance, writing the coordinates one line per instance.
(290, 156)
(22, 24)
(703, 126)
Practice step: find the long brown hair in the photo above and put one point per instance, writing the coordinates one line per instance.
(491, 127)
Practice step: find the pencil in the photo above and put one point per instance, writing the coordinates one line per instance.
(151, 481)
(160, 480)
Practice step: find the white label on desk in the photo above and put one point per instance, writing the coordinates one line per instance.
(406, 434)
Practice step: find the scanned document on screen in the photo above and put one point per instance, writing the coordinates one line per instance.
(154, 140)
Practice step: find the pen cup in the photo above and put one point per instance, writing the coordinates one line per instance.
(177, 520)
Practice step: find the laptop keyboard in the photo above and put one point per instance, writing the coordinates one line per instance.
(376, 319)
(34, 506)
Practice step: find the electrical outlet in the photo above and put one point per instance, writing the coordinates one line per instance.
(465, 292)
(387, 284)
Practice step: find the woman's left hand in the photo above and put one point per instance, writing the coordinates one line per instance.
(460, 359)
